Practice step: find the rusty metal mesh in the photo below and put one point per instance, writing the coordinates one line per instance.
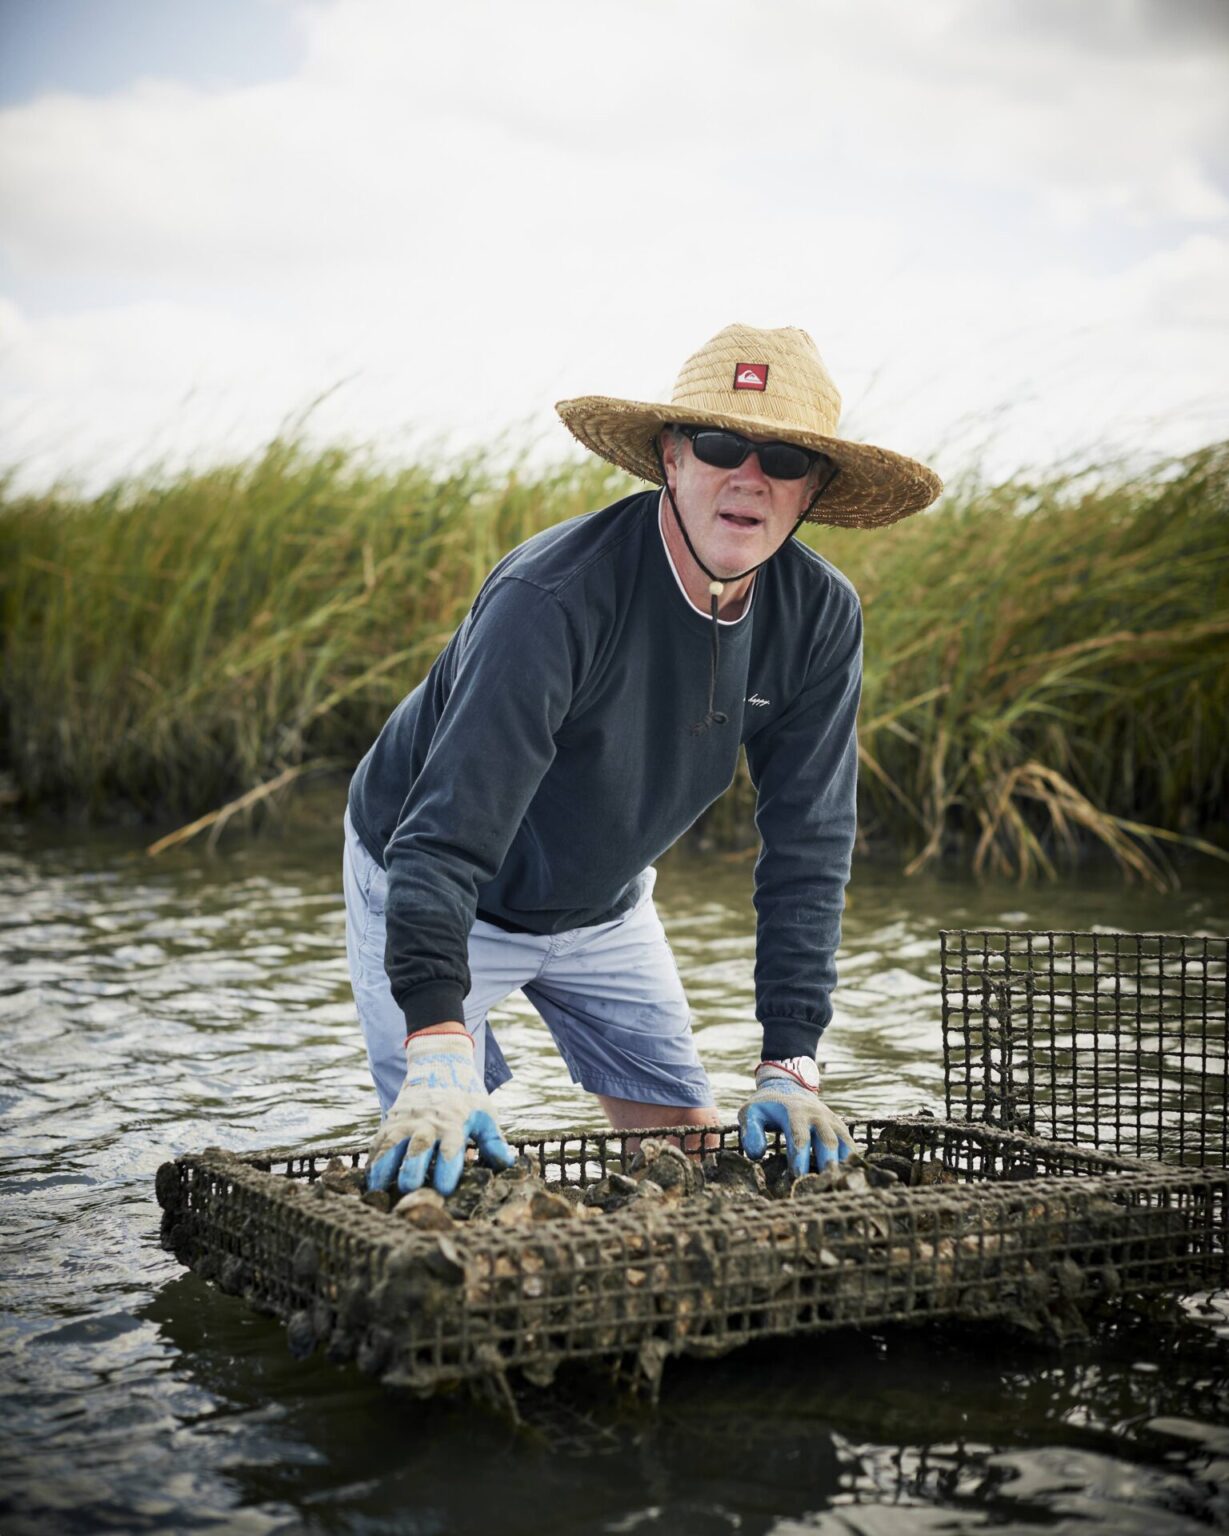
(1114, 1040)
(1010, 1228)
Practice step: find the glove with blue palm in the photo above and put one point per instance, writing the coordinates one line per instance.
(786, 1099)
(441, 1108)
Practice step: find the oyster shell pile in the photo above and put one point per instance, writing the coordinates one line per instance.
(659, 1174)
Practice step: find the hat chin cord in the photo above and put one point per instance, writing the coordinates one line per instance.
(717, 584)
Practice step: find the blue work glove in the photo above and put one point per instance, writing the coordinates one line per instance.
(786, 1099)
(441, 1108)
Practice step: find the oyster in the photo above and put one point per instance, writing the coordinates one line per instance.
(612, 1193)
(730, 1173)
(342, 1179)
(424, 1209)
(668, 1167)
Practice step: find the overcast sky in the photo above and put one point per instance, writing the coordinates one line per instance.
(1005, 222)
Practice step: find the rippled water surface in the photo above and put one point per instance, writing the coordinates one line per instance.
(149, 1008)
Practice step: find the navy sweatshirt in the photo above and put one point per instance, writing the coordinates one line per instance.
(547, 759)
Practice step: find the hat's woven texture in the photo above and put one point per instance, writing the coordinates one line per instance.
(799, 404)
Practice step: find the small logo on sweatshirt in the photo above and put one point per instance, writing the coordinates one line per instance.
(760, 703)
(751, 376)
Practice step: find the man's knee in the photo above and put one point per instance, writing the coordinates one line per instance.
(630, 1114)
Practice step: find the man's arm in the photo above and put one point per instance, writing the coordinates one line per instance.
(492, 745)
(804, 767)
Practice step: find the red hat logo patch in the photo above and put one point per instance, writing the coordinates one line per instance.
(751, 376)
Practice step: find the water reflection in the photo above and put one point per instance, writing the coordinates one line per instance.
(151, 1008)
(831, 1434)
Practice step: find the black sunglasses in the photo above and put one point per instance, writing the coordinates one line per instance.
(727, 450)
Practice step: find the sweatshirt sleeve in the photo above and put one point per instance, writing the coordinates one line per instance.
(804, 766)
(494, 741)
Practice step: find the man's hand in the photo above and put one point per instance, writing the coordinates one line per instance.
(785, 1100)
(441, 1108)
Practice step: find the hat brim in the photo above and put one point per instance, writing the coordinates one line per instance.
(874, 486)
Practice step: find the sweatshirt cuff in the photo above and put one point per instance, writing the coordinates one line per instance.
(435, 1002)
(784, 1038)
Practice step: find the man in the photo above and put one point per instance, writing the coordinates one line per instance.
(501, 832)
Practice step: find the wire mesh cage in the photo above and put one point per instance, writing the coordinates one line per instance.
(1113, 1040)
(990, 1226)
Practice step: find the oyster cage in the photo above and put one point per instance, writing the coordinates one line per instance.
(1015, 1229)
(1071, 1057)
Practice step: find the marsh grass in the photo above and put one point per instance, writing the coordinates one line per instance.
(1046, 663)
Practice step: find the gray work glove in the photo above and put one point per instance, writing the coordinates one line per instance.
(441, 1108)
(786, 1099)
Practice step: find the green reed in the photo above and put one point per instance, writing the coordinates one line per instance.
(1045, 662)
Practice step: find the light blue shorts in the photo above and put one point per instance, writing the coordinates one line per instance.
(610, 995)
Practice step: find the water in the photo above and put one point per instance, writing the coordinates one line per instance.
(148, 1008)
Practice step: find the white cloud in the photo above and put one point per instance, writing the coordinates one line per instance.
(464, 212)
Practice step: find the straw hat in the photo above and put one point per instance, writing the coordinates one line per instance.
(766, 384)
